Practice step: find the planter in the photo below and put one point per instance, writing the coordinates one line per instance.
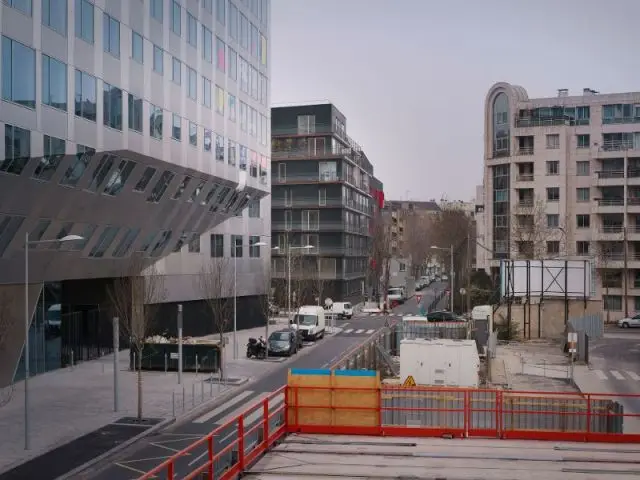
(164, 357)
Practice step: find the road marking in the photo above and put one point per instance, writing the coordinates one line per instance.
(243, 408)
(274, 403)
(150, 459)
(217, 411)
(348, 330)
(345, 324)
(633, 375)
(600, 374)
(370, 331)
(616, 374)
(141, 472)
(199, 457)
(167, 448)
(360, 330)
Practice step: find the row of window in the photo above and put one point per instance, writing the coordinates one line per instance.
(553, 247)
(217, 248)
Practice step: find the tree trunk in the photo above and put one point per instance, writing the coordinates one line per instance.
(222, 355)
(139, 383)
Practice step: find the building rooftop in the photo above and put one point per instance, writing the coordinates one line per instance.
(361, 457)
(417, 205)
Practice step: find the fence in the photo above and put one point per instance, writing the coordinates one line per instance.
(592, 325)
(353, 403)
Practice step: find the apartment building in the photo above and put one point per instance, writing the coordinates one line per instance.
(398, 212)
(321, 202)
(86, 89)
(567, 167)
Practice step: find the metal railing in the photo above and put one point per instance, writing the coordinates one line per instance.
(610, 202)
(525, 177)
(619, 120)
(319, 227)
(526, 202)
(611, 228)
(328, 251)
(616, 145)
(326, 177)
(635, 201)
(525, 151)
(610, 174)
(318, 202)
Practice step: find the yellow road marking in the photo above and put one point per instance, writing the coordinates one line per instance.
(136, 470)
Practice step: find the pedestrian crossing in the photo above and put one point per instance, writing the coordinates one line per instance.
(238, 405)
(378, 314)
(357, 331)
(624, 375)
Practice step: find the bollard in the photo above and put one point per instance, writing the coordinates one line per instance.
(183, 405)
(196, 364)
(211, 384)
(173, 403)
(166, 363)
(193, 395)
(202, 391)
(135, 364)
(71, 358)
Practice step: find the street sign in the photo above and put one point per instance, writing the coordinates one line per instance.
(175, 356)
(409, 382)
(418, 298)
(572, 340)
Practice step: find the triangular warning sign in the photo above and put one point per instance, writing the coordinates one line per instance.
(409, 382)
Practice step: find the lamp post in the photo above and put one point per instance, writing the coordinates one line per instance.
(235, 293)
(27, 322)
(289, 249)
(450, 250)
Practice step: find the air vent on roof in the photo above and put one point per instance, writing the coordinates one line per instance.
(563, 92)
(588, 91)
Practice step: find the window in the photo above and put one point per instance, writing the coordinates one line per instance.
(553, 247)
(104, 242)
(232, 107)
(111, 35)
(220, 55)
(192, 84)
(158, 60)
(553, 141)
(156, 9)
(583, 141)
(17, 149)
(161, 187)
(233, 64)
(119, 177)
(126, 243)
(137, 47)
(194, 243)
(135, 113)
(217, 245)
(176, 18)
(582, 168)
(25, 6)
(254, 250)
(221, 11)
(553, 220)
(193, 134)
(192, 30)
(54, 149)
(244, 75)
(219, 100)
(236, 246)
(86, 96)
(220, 148)
(206, 92)
(84, 23)
(553, 194)
(582, 248)
(207, 44)
(233, 21)
(54, 15)
(553, 167)
(207, 140)
(582, 194)
(310, 219)
(231, 152)
(176, 127)
(244, 31)
(243, 116)
(142, 184)
(254, 209)
(76, 170)
(182, 187)
(243, 157)
(208, 5)
(583, 221)
(54, 83)
(612, 302)
(176, 71)
(155, 121)
(263, 50)
(18, 73)
(112, 106)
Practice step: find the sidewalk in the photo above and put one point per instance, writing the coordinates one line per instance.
(68, 403)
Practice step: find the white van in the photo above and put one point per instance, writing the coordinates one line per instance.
(342, 309)
(396, 294)
(311, 320)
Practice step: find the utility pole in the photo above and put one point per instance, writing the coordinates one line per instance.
(468, 273)
(625, 271)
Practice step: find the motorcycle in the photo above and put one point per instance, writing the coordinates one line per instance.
(256, 348)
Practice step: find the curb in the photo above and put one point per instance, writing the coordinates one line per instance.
(76, 471)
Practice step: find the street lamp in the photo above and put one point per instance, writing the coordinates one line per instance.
(451, 283)
(306, 247)
(235, 293)
(27, 321)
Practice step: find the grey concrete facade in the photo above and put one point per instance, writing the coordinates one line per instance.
(140, 126)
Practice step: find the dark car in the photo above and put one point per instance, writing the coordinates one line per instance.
(444, 316)
(283, 342)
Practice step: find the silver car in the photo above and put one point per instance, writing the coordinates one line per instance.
(629, 322)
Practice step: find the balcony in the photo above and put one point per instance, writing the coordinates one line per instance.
(525, 202)
(609, 233)
(524, 177)
(526, 122)
(619, 120)
(320, 227)
(315, 202)
(633, 204)
(328, 251)
(325, 177)
(525, 151)
(609, 205)
(610, 177)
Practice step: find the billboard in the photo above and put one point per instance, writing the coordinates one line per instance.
(547, 278)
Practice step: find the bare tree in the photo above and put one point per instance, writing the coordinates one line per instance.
(609, 277)
(532, 235)
(418, 240)
(134, 297)
(380, 256)
(319, 284)
(7, 321)
(215, 283)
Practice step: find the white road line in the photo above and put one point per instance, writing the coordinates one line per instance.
(360, 330)
(600, 374)
(370, 331)
(217, 411)
(344, 325)
(348, 330)
(243, 408)
(256, 415)
(616, 374)
(633, 375)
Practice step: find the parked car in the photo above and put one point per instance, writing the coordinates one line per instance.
(283, 342)
(342, 309)
(444, 316)
(630, 322)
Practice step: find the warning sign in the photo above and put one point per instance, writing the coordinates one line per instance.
(418, 298)
(409, 382)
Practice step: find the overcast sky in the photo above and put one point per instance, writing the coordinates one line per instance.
(411, 75)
